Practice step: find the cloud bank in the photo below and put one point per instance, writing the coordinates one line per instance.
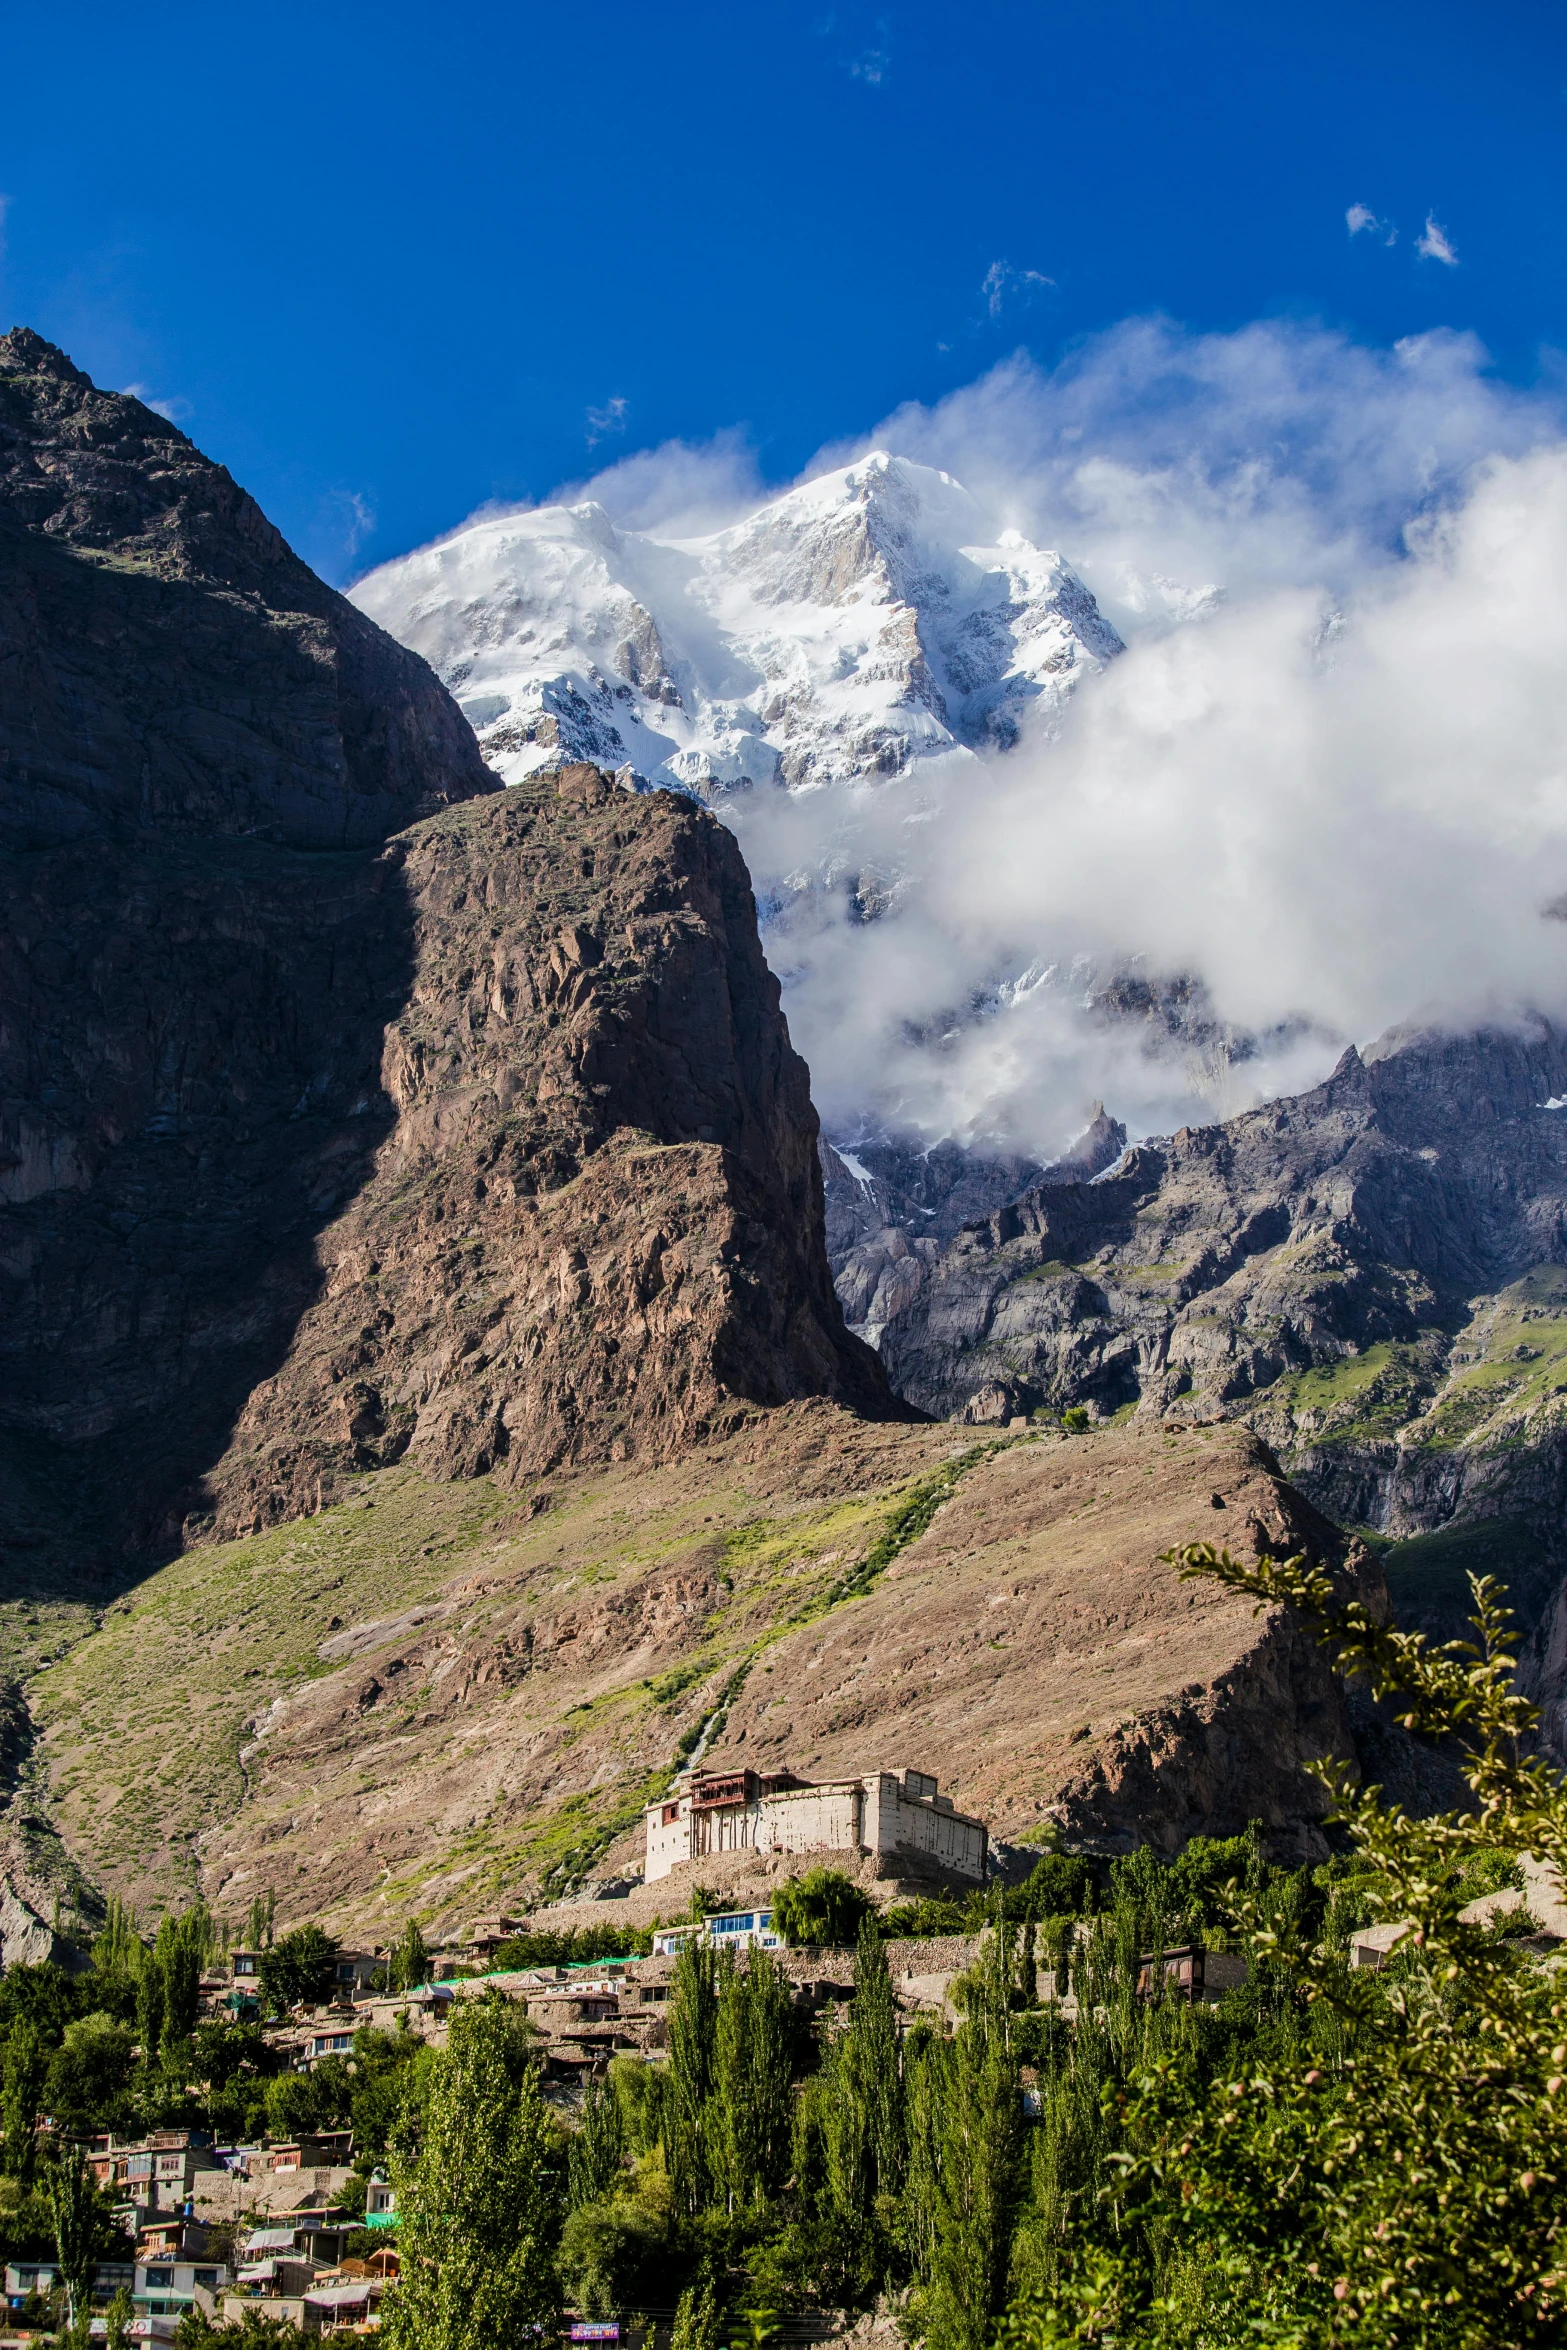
(1325, 788)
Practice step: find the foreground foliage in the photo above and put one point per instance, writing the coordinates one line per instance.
(1386, 2165)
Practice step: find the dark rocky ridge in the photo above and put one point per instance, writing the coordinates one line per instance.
(1202, 1269)
(169, 664)
(887, 1225)
(230, 980)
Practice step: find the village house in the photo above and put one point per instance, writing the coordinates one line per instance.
(901, 1824)
(732, 1929)
(336, 2039)
(325, 2151)
(486, 1935)
(166, 2286)
(26, 2278)
(158, 2171)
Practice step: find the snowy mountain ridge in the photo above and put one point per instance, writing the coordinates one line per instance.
(846, 630)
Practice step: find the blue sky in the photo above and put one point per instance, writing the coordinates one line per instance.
(390, 262)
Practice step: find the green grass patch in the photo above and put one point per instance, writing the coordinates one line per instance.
(1428, 1574)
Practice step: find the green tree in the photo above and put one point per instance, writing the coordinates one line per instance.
(977, 2184)
(696, 2318)
(693, 2007)
(864, 2112)
(77, 2216)
(260, 1921)
(118, 1945)
(927, 2065)
(752, 2069)
(612, 2253)
(21, 2092)
(1060, 1884)
(90, 2073)
(390, 2070)
(177, 1956)
(301, 1967)
(117, 2320)
(408, 1962)
(824, 1906)
(1387, 2170)
(594, 2156)
(478, 2202)
(149, 2006)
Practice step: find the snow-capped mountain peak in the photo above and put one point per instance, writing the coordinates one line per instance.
(862, 621)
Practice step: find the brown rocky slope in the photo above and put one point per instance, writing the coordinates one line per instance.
(446, 1697)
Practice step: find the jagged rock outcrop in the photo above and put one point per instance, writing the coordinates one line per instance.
(169, 664)
(893, 1207)
(595, 1228)
(235, 990)
(1202, 1269)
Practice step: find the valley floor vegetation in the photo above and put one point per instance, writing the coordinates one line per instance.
(1323, 2156)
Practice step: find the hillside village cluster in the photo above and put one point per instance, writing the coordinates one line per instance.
(259, 2228)
(236, 2229)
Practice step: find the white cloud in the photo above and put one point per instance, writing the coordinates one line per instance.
(1002, 283)
(1327, 782)
(605, 421)
(358, 521)
(1360, 218)
(1434, 244)
(1338, 802)
(874, 62)
(175, 409)
(679, 489)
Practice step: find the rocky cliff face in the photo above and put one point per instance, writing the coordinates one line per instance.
(1200, 1271)
(202, 749)
(892, 1209)
(236, 991)
(595, 1227)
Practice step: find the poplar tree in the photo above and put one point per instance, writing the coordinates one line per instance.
(73, 2208)
(478, 2204)
(118, 1945)
(408, 1962)
(864, 2115)
(696, 2319)
(593, 2158)
(693, 2006)
(177, 1954)
(752, 2071)
(928, 2061)
(21, 2088)
(976, 2190)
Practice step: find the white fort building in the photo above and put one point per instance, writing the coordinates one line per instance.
(901, 1824)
